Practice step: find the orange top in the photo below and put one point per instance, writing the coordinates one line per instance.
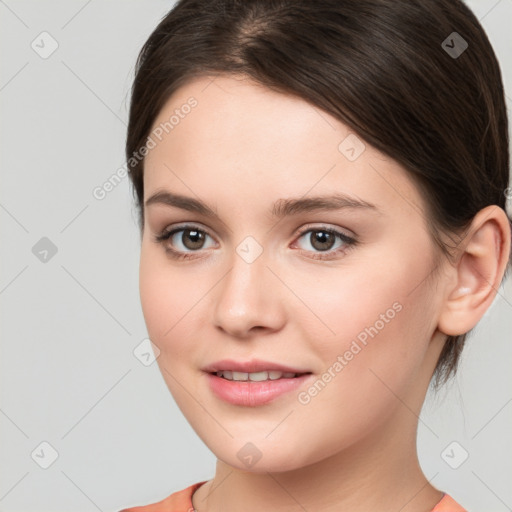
(181, 501)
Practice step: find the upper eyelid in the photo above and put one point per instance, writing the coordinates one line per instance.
(326, 227)
(186, 226)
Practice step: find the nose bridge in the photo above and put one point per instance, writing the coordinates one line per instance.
(248, 296)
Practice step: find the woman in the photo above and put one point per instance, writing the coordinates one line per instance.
(321, 189)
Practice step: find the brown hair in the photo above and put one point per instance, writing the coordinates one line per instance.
(392, 70)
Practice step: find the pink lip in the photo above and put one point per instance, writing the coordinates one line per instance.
(252, 394)
(255, 365)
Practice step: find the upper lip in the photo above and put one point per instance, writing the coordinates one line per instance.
(255, 365)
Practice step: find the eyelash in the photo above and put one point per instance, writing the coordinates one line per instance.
(348, 242)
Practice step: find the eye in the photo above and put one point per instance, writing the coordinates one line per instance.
(320, 243)
(324, 242)
(183, 240)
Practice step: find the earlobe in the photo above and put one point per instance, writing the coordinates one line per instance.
(484, 254)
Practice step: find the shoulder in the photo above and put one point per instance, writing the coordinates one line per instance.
(448, 504)
(180, 501)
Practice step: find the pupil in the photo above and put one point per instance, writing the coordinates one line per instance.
(322, 240)
(195, 236)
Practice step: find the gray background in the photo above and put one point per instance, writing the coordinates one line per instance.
(70, 324)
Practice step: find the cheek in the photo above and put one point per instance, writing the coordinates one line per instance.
(156, 298)
(371, 369)
(356, 300)
(373, 322)
(165, 298)
(173, 303)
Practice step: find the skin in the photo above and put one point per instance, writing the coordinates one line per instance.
(353, 446)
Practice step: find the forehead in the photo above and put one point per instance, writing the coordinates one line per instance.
(241, 135)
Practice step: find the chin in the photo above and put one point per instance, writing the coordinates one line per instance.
(262, 457)
(266, 465)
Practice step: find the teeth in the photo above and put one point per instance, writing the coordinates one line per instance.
(255, 376)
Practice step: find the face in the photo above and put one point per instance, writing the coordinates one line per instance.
(338, 289)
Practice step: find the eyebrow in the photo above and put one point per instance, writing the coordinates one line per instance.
(280, 209)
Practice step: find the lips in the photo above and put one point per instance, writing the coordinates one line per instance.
(253, 366)
(253, 383)
(254, 394)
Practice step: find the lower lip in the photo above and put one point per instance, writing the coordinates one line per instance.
(252, 393)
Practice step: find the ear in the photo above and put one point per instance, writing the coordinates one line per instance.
(477, 275)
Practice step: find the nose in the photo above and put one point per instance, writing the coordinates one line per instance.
(249, 299)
